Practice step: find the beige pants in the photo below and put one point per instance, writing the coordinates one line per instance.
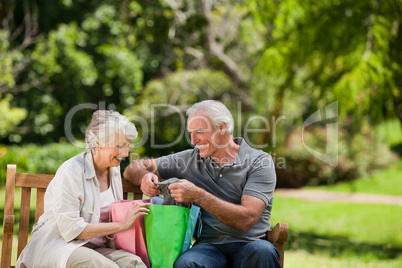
(103, 257)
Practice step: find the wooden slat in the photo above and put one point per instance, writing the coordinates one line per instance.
(137, 196)
(8, 225)
(9, 217)
(10, 189)
(40, 203)
(128, 187)
(33, 180)
(24, 219)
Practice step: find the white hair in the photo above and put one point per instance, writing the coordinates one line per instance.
(105, 126)
(216, 111)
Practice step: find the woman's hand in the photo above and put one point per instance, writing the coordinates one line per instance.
(100, 229)
(148, 186)
(138, 209)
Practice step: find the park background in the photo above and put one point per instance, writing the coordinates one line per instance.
(273, 63)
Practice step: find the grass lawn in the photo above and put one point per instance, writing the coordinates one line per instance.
(358, 224)
(305, 259)
(340, 234)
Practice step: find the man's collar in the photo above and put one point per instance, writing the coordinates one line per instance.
(243, 153)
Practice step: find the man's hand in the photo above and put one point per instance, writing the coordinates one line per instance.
(148, 186)
(184, 191)
(241, 216)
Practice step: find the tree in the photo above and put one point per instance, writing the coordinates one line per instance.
(265, 59)
(324, 51)
(64, 54)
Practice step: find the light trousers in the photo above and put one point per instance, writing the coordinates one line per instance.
(85, 257)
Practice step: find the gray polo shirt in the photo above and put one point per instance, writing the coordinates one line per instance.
(251, 173)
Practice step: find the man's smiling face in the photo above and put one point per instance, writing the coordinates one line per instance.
(202, 134)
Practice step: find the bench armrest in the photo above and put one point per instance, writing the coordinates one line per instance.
(278, 236)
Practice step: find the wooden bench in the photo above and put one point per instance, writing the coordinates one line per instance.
(27, 182)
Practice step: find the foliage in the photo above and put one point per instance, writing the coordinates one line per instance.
(331, 50)
(275, 52)
(35, 158)
(9, 116)
(63, 59)
(381, 182)
(358, 155)
(6, 60)
(390, 131)
(91, 53)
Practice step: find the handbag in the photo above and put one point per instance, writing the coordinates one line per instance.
(131, 240)
(193, 221)
(165, 229)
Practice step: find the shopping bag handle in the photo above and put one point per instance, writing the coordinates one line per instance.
(199, 224)
(190, 239)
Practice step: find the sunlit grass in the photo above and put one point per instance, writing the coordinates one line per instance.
(375, 224)
(304, 259)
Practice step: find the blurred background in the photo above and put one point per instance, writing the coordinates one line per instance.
(273, 63)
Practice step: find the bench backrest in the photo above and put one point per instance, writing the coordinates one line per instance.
(31, 183)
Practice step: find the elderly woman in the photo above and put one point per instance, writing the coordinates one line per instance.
(72, 231)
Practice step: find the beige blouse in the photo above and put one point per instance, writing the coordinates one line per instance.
(71, 202)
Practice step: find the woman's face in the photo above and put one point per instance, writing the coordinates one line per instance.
(112, 154)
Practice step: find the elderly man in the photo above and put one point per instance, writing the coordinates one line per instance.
(232, 182)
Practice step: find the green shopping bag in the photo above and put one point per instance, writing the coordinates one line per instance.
(165, 230)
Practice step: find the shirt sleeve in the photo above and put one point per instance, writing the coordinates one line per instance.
(262, 179)
(69, 197)
(174, 165)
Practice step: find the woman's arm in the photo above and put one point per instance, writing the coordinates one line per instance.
(101, 229)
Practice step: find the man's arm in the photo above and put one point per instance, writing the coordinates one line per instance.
(242, 216)
(144, 172)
